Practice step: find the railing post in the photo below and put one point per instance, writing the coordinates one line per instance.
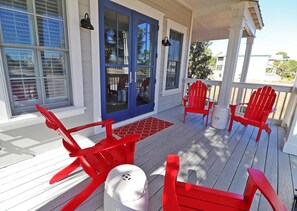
(291, 140)
(291, 108)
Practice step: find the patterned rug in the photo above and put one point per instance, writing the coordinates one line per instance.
(144, 128)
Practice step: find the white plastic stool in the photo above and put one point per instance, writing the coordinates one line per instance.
(220, 117)
(126, 189)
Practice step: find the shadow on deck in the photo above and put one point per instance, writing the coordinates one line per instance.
(209, 157)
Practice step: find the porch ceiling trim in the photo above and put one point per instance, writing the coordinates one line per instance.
(212, 19)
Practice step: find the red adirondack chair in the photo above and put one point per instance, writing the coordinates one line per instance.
(96, 161)
(195, 100)
(178, 196)
(257, 111)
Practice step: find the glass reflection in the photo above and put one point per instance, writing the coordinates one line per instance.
(116, 89)
(143, 86)
(116, 37)
(145, 43)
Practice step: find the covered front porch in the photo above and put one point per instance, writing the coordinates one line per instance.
(209, 157)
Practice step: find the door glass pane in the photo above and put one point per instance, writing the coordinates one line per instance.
(110, 33)
(145, 43)
(143, 86)
(116, 89)
(116, 37)
(123, 37)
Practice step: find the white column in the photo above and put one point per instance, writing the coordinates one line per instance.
(247, 56)
(235, 36)
(245, 67)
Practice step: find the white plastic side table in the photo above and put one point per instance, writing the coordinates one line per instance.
(220, 117)
(126, 189)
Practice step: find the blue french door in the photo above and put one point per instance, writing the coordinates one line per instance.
(128, 46)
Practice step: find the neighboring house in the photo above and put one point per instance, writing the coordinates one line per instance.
(256, 70)
(119, 70)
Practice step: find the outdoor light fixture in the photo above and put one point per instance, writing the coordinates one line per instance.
(166, 42)
(86, 22)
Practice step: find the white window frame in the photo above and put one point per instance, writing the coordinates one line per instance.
(8, 122)
(172, 25)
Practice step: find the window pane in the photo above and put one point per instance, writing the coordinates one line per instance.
(22, 78)
(50, 8)
(14, 4)
(55, 77)
(20, 62)
(24, 91)
(51, 33)
(174, 60)
(17, 28)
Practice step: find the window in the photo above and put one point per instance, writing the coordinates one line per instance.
(174, 60)
(35, 54)
(174, 64)
(220, 58)
(220, 67)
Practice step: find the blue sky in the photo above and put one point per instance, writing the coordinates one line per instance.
(278, 34)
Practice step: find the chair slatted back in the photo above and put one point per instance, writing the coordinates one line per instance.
(54, 123)
(197, 95)
(262, 99)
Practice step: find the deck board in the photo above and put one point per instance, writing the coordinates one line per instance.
(209, 157)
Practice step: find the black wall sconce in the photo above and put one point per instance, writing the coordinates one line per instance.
(86, 22)
(166, 42)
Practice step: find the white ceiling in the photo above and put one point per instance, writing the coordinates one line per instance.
(211, 18)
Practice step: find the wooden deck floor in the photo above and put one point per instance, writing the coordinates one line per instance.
(209, 157)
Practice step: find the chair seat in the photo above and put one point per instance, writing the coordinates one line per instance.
(196, 100)
(97, 161)
(257, 110)
(214, 199)
(179, 196)
(247, 121)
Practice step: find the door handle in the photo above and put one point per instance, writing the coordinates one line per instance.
(130, 78)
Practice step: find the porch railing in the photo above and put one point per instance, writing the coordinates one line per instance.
(241, 92)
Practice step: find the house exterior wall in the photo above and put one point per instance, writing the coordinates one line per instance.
(256, 70)
(37, 138)
(173, 11)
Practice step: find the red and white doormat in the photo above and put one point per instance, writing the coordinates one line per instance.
(144, 128)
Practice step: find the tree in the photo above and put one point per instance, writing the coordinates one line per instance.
(199, 60)
(286, 68)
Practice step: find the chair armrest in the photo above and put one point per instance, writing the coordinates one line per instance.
(210, 104)
(106, 146)
(185, 99)
(82, 127)
(266, 189)
(169, 200)
(233, 107)
(266, 113)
